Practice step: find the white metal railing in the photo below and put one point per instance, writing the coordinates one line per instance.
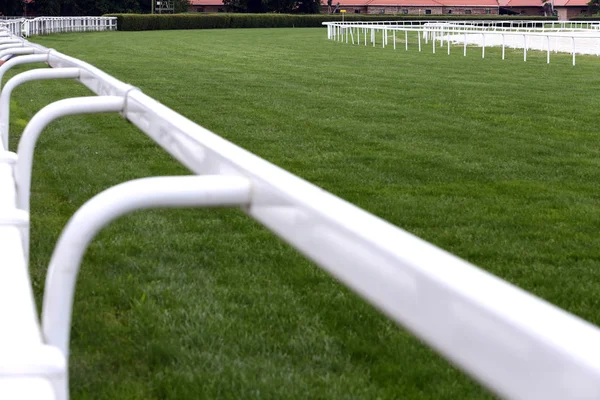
(517, 24)
(467, 26)
(515, 344)
(12, 26)
(567, 38)
(47, 25)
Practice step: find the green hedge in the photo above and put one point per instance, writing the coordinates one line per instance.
(590, 19)
(143, 22)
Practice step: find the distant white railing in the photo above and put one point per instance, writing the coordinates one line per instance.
(490, 24)
(512, 342)
(13, 26)
(574, 38)
(47, 25)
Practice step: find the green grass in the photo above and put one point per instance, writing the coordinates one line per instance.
(495, 161)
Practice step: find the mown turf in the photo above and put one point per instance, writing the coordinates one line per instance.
(496, 161)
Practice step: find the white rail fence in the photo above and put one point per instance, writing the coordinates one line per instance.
(14, 26)
(47, 25)
(489, 24)
(512, 342)
(552, 37)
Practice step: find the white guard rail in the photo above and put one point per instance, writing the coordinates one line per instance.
(47, 25)
(14, 26)
(489, 24)
(574, 38)
(515, 344)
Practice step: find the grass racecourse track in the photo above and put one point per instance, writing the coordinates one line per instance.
(495, 161)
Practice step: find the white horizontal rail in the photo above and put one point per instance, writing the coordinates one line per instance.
(514, 343)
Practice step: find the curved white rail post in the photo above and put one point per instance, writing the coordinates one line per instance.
(27, 76)
(24, 59)
(61, 108)
(181, 191)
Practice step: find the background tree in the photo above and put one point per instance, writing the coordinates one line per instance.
(11, 7)
(278, 6)
(182, 6)
(308, 7)
(236, 5)
(100, 7)
(45, 7)
(95, 7)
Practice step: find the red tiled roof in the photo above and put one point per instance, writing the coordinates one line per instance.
(416, 3)
(571, 3)
(426, 3)
(206, 2)
(521, 3)
(538, 3)
(470, 3)
(348, 3)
